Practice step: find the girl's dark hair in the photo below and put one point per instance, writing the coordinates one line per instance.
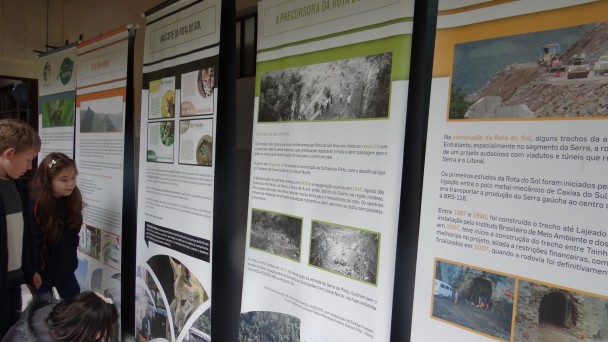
(51, 217)
(81, 318)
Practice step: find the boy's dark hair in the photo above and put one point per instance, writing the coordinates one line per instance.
(81, 318)
(53, 214)
(17, 134)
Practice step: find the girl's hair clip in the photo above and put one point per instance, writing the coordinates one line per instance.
(104, 298)
(52, 163)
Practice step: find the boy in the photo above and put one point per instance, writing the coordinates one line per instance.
(19, 145)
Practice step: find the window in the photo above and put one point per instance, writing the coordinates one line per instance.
(246, 45)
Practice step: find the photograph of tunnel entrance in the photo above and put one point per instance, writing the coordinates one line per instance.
(481, 301)
(546, 313)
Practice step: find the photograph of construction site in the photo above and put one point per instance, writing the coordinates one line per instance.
(561, 73)
(477, 300)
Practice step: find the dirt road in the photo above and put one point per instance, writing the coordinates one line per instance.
(468, 316)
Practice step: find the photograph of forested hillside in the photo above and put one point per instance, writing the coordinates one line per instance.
(348, 89)
(267, 326)
(276, 233)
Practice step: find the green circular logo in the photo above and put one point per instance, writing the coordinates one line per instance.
(65, 72)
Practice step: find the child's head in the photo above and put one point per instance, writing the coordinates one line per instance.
(86, 317)
(59, 201)
(19, 145)
(56, 175)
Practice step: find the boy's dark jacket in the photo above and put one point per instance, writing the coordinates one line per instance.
(27, 263)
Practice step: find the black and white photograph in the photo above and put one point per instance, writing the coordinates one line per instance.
(475, 299)
(276, 233)
(348, 89)
(560, 73)
(268, 326)
(347, 251)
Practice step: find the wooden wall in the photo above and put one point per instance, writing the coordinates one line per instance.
(29, 25)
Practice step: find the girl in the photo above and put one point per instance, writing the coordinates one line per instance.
(56, 217)
(88, 317)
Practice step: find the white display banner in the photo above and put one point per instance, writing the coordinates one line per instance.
(176, 173)
(56, 103)
(326, 170)
(99, 155)
(513, 242)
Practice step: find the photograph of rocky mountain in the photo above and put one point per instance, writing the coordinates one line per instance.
(480, 301)
(348, 89)
(90, 121)
(345, 250)
(546, 313)
(547, 74)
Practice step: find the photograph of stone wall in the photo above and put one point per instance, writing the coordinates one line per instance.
(546, 313)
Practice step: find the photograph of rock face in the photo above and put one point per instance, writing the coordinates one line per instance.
(276, 233)
(348, 89)
(473, 299)
(546, 313)
(548, 74)
(345, 250)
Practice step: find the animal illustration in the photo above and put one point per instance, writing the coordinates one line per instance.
(189, 295)
(203, 151)
(170, 106)
(166, 133)
(55, 114)
(206, 82)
